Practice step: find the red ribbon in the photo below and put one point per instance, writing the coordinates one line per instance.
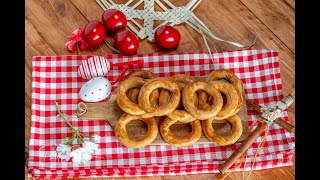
(128, 64)
(76, 37)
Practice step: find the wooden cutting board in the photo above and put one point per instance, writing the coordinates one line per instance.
(111, 112)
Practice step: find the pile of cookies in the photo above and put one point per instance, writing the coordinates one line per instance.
(180, 98)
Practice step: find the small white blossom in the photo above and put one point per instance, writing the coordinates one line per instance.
(83, 155)
(90, 146)
(64, 151)
(80, 155)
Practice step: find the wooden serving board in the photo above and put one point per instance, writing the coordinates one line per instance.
(111, 112)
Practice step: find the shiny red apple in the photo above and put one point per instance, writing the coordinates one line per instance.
(114, 20)
(167, 36)
(126, 42)
(94, 33)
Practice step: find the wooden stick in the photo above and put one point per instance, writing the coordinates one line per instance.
(243, 147)
(279, 121)
(284, 124)
(253, 105)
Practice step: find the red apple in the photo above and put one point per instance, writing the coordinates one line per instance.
(167, 36)
(94, 33)
(114, 20)
(126, 42)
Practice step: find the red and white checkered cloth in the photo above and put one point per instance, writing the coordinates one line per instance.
(55, 78)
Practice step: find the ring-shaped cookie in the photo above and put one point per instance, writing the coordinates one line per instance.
(132, 95)
(179, 113)
(203, 99)
(144, 95)
(200, 113)
(164, 97)
(174, 140)
(182, 81)
(231, 96)
(181, 116)
(230, 138)
(145, 74)
(123, 101)
(130, 142)
(182, 78)
(232, 78)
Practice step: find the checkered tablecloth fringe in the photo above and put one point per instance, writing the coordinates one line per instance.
(55, 78)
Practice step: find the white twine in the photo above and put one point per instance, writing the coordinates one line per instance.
(205, 42)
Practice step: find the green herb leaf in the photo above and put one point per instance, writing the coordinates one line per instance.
(91, 136)
(67, 139)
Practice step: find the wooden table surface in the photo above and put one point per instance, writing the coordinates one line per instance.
(49, 24)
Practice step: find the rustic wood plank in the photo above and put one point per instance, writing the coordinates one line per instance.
(27, 130)
(49, 24)
(290, 3)
(277, 16)
(55, 20)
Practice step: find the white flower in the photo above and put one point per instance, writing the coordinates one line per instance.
(63, 151)
(83, 155)
(80, 155)
(96, 138)
(90, 146)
